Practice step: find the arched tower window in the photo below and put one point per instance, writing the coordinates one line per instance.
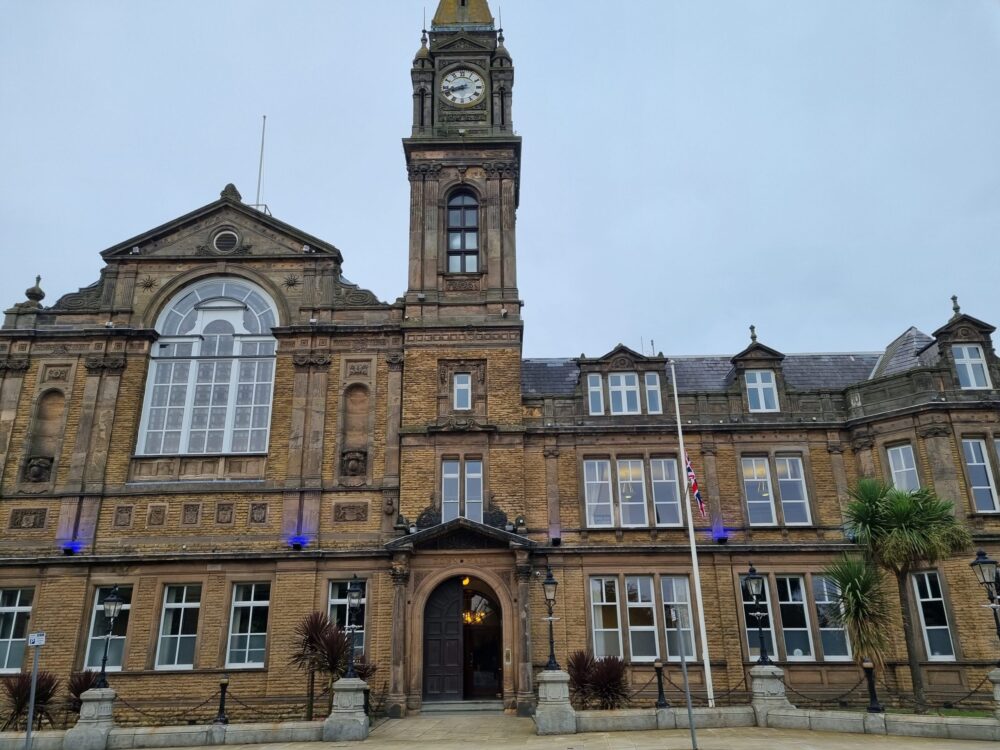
(463, 233)
(211, 378)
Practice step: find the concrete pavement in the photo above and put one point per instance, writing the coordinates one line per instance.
(458, 732)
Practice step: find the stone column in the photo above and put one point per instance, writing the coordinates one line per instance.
(862, 444)
(95, 723)
(944, 473)
(348, 721)
(555, 714)
(836, 451)
(394, 416)
(767, 687)
(11, 379)
(396, 701)
(525, 689)
(711, 482)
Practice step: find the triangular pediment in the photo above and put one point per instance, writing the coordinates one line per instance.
(622, 357)
(964, 327)
(757, 353)
(460, 533)
(463, 43)
(256, 234)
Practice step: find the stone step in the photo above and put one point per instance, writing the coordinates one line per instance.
(454, 707)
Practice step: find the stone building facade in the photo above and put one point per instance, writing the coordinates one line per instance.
(228, 430)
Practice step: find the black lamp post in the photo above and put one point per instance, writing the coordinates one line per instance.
(755, 584)
(874, 707)
(661, 698)
(221, 717)
(112, 608)
(989, 578)
(354, 594)
(549, 586)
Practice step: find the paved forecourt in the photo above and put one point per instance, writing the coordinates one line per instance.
(479, 732)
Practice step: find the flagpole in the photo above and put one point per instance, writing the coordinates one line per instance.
(699, 601)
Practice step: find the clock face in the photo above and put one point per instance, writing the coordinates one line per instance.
(463, 86)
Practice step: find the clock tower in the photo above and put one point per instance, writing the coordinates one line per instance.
(464, 167)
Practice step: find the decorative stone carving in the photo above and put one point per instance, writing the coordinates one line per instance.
(28, 518)
(938, 429)
(495, 517)
(109, 364)
(38, 469)
(55, 373)
(395, 361)
(390, 500)
(358, 369)
(350, 512)
(191, 514)
(319, 360)
(862, 442)
(462, 284)
(354, 463)
(834, 447)
(258, 513)
(14, 365)
(157, 514)
(550, 452)
(430, 516)
(224, 513)
(123, 516)
(523, 572)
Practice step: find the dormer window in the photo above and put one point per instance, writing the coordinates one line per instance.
(463, 233)
(654, 404)
(762, 391)
(623, 392)
(595, 394)
(970, 365)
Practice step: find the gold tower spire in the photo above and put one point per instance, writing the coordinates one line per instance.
(462, 13)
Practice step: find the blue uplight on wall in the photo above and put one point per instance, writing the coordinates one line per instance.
(720, 535)
(298, 542)
(72, 547)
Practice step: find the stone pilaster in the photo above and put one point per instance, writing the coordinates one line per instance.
(525, 688)
(396, 701)
(551, 454)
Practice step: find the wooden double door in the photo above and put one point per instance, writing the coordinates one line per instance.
(463, 640)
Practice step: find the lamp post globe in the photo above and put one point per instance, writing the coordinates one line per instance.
(112, 606)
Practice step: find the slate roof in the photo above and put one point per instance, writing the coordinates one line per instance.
(902, 354)
(549, 377)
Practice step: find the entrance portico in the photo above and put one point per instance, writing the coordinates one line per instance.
(461, 617)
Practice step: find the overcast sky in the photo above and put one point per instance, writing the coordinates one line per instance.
(828, 170)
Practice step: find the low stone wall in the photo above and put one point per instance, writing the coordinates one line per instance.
(635, 719)
(906, 725)
(40, 741)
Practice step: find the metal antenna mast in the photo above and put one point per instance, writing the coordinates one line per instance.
(260, 166)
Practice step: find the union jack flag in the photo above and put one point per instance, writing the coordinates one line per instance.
(693, 481)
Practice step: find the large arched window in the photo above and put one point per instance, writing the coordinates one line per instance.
(212, 372)
(463, 233)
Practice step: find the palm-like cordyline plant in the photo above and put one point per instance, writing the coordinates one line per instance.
(861, 607)
(899, 531)
(321, 646)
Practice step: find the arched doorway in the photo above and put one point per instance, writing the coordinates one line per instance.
(463, 642)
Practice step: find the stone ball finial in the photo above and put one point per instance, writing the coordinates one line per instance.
(753, 334)
(35, 293)
(954, 304)
(230, 193)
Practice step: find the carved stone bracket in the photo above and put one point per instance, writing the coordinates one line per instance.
(14, 365)
(96, 365)
(506, 170)
(400, 573)
(862, 442)
(390, 500)
(834, 447)
(430, 516)
(38, 469)
(423, 171)
(495, 517)
(550, 452)
(395, 361)
(938, 429)
(312, 360)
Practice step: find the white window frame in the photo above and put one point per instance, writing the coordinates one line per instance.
(785, 579)
(664, 485)
(593, 486)
(338, 604)
(970, 362)
(898, 467)
(750, 622)
(185, 607)
(756, 462)
(683, 614)
(8, 636)
(98, 612)
(626, 386)
(595, 393)
(632, 488)
(463, 473)
(462, 391)
(829, 591)
(969, 447)
(641, 603)
(654, 397)
(790, 463)
(920, 601)
(245, 351)
(603, 602)
(250, 604)
(760, 386)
